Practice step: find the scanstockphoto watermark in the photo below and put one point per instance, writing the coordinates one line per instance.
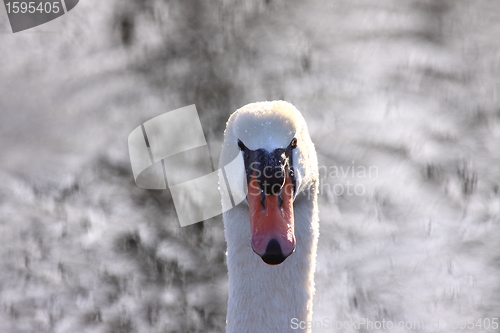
(348, 180)
(199, 199)
(360, 324)
(367, 324)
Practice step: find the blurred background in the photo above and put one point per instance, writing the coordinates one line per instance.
(407, 89)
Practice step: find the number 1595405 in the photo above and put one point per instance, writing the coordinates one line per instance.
(32, 7)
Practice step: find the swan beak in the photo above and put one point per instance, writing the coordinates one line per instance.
(271, 220)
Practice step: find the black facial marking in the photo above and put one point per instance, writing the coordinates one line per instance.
(241, 146)
(263, 199)
(270, 168)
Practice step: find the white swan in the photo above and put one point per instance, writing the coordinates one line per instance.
(277, 221)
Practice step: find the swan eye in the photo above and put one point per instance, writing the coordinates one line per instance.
(293, 144)
(241, 145)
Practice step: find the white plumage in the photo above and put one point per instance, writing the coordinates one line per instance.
(265, 298)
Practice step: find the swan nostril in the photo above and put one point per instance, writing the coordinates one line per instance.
(273, 255)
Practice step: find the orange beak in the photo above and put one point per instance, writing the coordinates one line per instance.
(271, 221)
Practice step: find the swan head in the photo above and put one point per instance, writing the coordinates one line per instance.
(276, 160)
